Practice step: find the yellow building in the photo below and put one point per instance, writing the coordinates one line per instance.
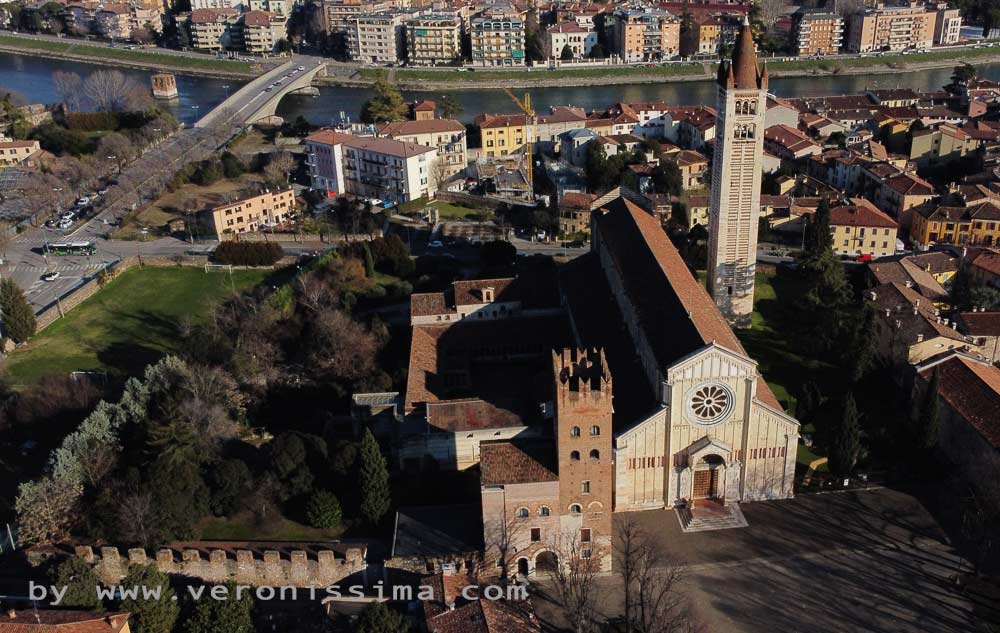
(502, 134)
(977, 225)
(860, 229)
(253, 214)
(16, 152)
(945, 144)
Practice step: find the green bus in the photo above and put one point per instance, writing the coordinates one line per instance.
(70, 248)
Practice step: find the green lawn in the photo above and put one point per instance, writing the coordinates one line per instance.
(128, 324)
(448, 211)
(243, 527)
(832, 63)
(540, 74)
(144, 56)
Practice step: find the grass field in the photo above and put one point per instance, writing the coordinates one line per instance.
(125, 326)
(539, 75)
(243, 527)
(143, 56)
(831, 64)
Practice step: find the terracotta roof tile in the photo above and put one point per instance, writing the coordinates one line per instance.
(517, 462)
(973, 390)
(62, 621)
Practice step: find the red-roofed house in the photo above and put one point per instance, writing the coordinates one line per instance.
(63, 621)
(860, 228)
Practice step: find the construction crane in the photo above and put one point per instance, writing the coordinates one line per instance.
(529, 123)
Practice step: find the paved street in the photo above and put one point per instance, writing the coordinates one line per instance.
(861, 562)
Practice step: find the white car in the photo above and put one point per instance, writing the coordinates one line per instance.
(50, 276)
(300, 68)
(82, 202)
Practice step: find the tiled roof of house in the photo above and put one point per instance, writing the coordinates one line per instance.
(913, 313)
(674, 311)
(860, 212)
(577, 200)
(473, 414)
(517, 462)
(387, 146)
(427, 126)
(790, 138)
(988, 261)
(208, 16)
(438, 531)
(62, 621)
(972, 389)
(688, 158)
(258, 18)
(570, 26)
(980, 323)
(487, 121)
(936, 263)
(910, 185)
(487, 616)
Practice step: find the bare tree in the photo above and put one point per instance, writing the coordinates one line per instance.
(113, 91)
(574, 576)
(499, 538)
(653, 601)
(771, 11)
(848, 8)
(278, 168)
(69, 87)
(341, 347)
(135, 512)
(116, 148)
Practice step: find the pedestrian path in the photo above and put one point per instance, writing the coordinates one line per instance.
(49, 269)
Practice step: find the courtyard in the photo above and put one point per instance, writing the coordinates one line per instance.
(872, 561)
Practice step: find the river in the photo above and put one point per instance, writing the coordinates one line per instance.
(32, 78)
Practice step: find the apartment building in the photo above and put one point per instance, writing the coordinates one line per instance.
(260, 31)
(216, 4)
(642, 35)
(338, 15)
(213, 29)
(892, 28)
(502, 134)
(859, 228)
(947, 25)
(433, 39)
(817, 32)
(941, 145)
(249, 215)
(580, 40)
(280, 7)
(447, 135)
(498, 39)
(377, 38)
(711, 34)
(373, 167)
(113, 22)
(977, 224)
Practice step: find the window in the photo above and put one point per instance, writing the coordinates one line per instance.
(574, 456)
(575, 509)
(544, 511)
(429, 567)
(585, 535)
(536, 535)
(522, 513)
(595, 455)
(574, 432)
(595, 430)
(585, 554)
(585, 487)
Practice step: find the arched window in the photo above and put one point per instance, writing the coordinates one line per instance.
(595, 430)
(544, 511)
(575, 456)
(595, 455)
(575, 509)
(522, 513)
(574, 432)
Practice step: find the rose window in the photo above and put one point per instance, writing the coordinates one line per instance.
(709, 404)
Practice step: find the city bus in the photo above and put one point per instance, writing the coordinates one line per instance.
(70, 248)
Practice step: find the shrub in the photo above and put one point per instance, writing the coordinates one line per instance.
(18, 317)
(248, 253)
(324, 510)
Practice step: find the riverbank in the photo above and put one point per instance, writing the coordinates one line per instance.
(434, 80)
(103, 54)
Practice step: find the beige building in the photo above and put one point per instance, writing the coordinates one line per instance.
(557, 37)
(252, 214)
(113, 22)
(212, 29)
(860, 228)
(447, 135)
(817, 32)
(642, 35)
(941, 145)
(16, 152)
(736, 174)
(377, 38)
(260, 31)
(498, 38)
(892, 28)
(433, 39)
(947, 25)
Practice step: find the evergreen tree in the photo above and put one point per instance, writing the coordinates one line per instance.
(378, 618)
(863, 346)
(324, 510)
(809, 401)
(386, 105)
(150, 615)
(231, 615)
(374, 480)
(961, 288)
(18, 318)
(567, 54)
(369, 261)
(596, 167)
(846, 444)
(81, 583)
(929, 417)
(449, 107)
(819, 240)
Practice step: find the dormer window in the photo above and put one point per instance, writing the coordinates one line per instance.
(487, 294)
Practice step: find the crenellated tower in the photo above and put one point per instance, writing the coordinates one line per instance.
(584, 444)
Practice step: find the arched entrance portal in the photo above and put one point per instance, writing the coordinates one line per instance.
(546, 562)
(708, 477)
(522, 567)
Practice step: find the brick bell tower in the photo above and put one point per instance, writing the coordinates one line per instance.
(583, 441)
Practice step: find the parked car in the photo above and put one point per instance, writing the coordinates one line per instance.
(300, 68)
(85, 200)
(50, 276)
(435, 244)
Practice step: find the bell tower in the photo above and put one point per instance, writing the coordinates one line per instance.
(584, 445)
(736, 170)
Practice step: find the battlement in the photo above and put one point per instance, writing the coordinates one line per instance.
(581, 373)
(297, 567)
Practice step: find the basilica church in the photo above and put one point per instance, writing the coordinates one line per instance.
(614, 384)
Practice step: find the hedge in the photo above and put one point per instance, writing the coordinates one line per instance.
(248, 253)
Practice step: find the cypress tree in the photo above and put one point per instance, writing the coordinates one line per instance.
(929, 418)
(18, 318)
(374, 479)
(863, 347)
(369, 261)
(847, 440)
(818, 240)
